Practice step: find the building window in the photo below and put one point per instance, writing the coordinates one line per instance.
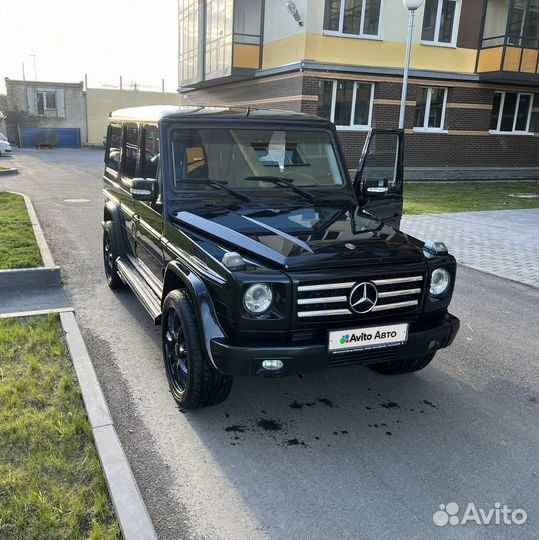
(219, 33)
(524, 24)
(347, 104)
(511, 112)
(188, 58)
(358, 18)
(45, 101)
(430, 108)
(440, 22)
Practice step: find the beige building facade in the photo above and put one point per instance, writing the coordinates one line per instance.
(101, 101)
(472, 108)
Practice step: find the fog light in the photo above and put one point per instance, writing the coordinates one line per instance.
(272, 365)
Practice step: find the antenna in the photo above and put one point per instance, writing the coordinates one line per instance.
(247, 111)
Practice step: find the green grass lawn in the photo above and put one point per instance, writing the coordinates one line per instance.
(441, 198)
(18, 247)
(51, 482)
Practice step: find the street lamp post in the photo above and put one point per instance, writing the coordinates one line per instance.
(411, 6)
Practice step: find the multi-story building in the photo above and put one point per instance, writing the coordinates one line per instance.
(472, 105)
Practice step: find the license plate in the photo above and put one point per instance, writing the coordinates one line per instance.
(373, 337)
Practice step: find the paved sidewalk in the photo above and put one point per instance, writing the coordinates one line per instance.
(504, 243)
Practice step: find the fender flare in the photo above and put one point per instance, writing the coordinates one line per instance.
(207, 321)
(116, 219)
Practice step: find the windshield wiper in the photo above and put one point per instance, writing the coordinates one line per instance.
(216, 184)
(281, 181)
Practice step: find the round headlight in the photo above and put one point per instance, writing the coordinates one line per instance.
(439, 282)
(258, 298)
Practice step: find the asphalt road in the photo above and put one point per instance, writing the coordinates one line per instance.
(353, 454)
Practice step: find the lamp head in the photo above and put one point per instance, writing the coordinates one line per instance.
(412, 5)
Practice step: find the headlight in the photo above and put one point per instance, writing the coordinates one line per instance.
(439, 282)
(258, 298)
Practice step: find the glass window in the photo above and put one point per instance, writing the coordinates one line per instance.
(130, 151)
(346, 103)
(114, 142)
(495, 110)
(236, 155)
(50, 100)
(45, 101)
(150, 160)
(325, 98)
(524, 24)
(381, 161)
(343, 103)
(363, 105)
(188, 16)
(521, 121)
(353, 17)
(511, 112)
(219, 27)
(430, 108)
(332, 14)
(439, 21)
(40, 100)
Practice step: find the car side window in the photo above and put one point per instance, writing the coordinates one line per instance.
(130, 150)
(150, 158)
(114, 145)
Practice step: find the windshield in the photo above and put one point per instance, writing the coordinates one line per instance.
(247, 159)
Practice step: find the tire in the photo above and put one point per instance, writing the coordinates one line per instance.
(110, 254)
(193, 381)
(399, 367)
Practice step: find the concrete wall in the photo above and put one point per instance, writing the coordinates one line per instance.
(101, 101)
(70, 114)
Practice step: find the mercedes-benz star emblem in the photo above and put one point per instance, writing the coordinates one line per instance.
(363, 297)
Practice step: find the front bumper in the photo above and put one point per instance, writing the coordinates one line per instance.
(423, 338)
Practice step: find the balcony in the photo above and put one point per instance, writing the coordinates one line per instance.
(219, 40)
(500, 59)
(509, 49)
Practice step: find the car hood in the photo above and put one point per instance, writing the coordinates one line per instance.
(297, 237)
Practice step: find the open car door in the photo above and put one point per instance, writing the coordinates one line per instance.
(379, 178)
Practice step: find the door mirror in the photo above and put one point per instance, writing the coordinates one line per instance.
(375, 188)
(144, 189)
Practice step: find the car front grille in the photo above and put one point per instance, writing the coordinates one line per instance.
(396, 294)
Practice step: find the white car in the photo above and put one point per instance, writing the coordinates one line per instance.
(4, 145)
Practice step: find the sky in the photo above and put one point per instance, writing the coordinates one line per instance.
(136, 39)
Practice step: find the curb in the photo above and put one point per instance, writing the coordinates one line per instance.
(11, 170)
(44, 276)
(23, 278)
(130, 509)
(38, 232)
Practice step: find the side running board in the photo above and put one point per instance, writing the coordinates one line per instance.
(142, 290)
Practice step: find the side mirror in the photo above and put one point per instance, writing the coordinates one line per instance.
(144, 189)
(375, 188)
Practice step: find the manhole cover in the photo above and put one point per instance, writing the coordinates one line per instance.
(76, 200)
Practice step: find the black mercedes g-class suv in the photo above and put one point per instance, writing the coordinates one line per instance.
(243, 235)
